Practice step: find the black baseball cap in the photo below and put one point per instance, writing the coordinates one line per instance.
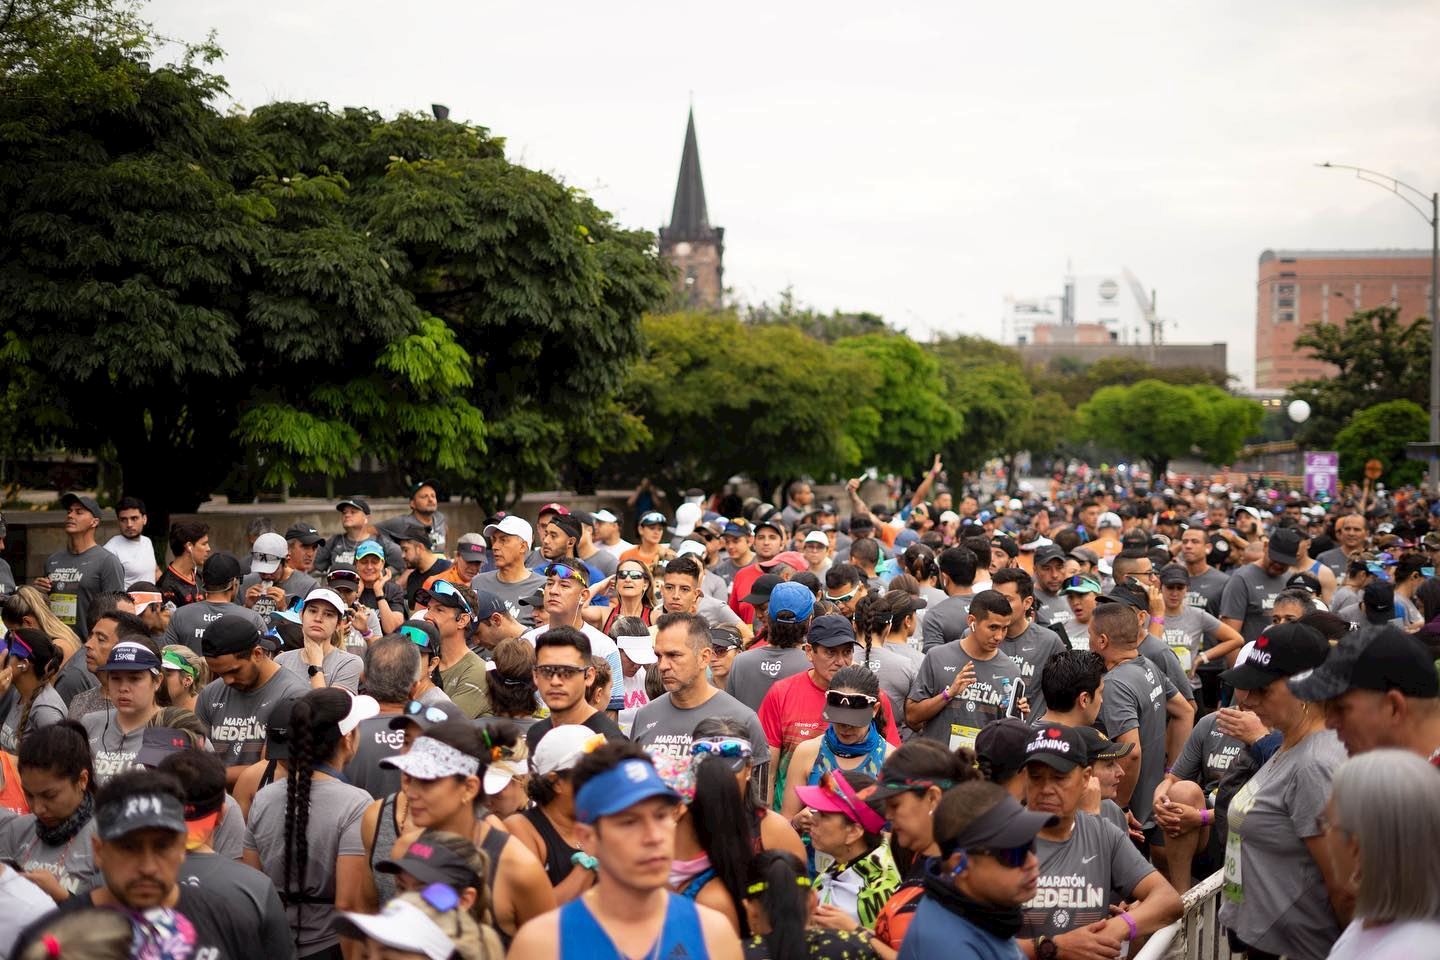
(89, 503)
(1282, 650)
(1001, 744)
(426, 716)
(720, 637)
(1379, 600)
(432, 863)
(220, 570)
(1284, 546)
(306, 534)
(232, 633)
(1007, 543)
(831, 630)
(155, 810)
(1388, 659)
(277, 730)
(157, 743)
(1174, 573)
(1058, 746)
(1128, 594)
(1047, 553)
(358, 503)
(1004, 826)
(567, 522)
(760, 590)
(1100, 747)
(410, 529)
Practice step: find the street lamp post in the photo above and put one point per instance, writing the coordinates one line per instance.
(1433, 219)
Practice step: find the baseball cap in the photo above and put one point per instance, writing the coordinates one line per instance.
(426, 716)
(1250, 510)
(1082, 554)
(277, 730)
(471, 547)
(815, 536)
(157, 810)
(343, 576)
(362, 707)
(303, 532)
(232, 633)
(760, 590)
(640, 649)
(790, 558)
(1174, 573)
(1048, 553)
(737, 527)
(568, 523)
(790, 601)
(408, 528)
(488, 604)
(358, 503)
(431, 863)
(322, 595)
(559, 509)
(831, 630)
(1108, 521)
(1006, 543)
(131, 657)
(267, 552)
(859, 522)
(157, 743)
(220, 570)
(560, 748)
(1128, 594)
(1004, 826)
(431, 759)
(1282, 650)
(513, 526)
(692, 548)
(1390, 659)
(1134, 543)
(605, 516)
(834, 794)
(1058, 746)
(401, 925)
(89, 503)
(1100, 747)
(1080, 583)
(1379, 600)
(369, 548)
(1304, 580)
(620, 788)
(720, 637)
(442, 593)
(1284, 546)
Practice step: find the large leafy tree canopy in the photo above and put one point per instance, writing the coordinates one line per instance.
(1380, 432)
(1159, 422)
(295, 289)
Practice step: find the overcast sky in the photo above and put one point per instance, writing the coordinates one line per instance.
(919, 164)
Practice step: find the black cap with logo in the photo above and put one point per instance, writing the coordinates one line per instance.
(1380, 660)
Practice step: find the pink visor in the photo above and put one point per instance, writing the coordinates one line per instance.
(835, 795)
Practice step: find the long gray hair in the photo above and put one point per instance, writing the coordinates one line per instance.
(1388, 801)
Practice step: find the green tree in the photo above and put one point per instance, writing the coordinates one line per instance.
(1377, 357)
(830, 327)
(985, 384)
(1151, 420)
(903, 418)
(1225, 422)
(1380, 432)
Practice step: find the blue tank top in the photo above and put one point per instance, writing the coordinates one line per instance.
(582, 937)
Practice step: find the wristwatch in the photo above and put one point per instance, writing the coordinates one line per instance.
(1046, 949)
(313, 670)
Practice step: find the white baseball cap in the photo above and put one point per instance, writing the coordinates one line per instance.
(605, 516)
(949, 516)
(515, 527)
(639, 649)
(268, 552)
(815, 536)
(322, 595)
(499, 774)
(692, 548)
(1109, 520)
(560, 748)
(403, 926)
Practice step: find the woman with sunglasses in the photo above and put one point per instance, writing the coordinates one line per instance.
(184, 674)
(730, 739)
(632, 594)
(713, 840)
(854, 740)
(443, 777)
(32, 660)
(855, 871)
(1087, 865)
(51, 845)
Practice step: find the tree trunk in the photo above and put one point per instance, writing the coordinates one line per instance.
(1159, 467)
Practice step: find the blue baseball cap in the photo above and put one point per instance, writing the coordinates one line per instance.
(736, 528)
(369, 549)
(620, 788)
(791, 601)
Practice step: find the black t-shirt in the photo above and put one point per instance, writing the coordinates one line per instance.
(394, 595)
(599, 721)
(217, 934)
(177, 590)
(416, 578)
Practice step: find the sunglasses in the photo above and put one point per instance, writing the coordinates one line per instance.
(415, 635)
(444, 588)
(721, 650)
(630, 575)
(850, 701)
(567, 572)
(17, 647)
(916, 784)
(728, 747)
(1012, 857)
(430, 714)
(1079, 581)
(843, 597)
(344, 576)
(559, 671)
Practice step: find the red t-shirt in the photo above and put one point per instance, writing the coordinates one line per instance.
(793, 711)
(745, 578)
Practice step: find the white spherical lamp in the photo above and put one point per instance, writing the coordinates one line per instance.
(1298, 410)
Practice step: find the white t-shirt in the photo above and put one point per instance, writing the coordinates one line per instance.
(1389, 941)
(21, 903)
(600, 646)
(136, 556)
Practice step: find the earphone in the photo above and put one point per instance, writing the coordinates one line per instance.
(960, 867)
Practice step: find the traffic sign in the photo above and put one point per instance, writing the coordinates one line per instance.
(1373, 469)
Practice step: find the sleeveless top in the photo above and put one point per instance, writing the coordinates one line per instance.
(582, 937)
(387, 831)
(557, 852)
(826, 761)
(12, 797)
(615, 615)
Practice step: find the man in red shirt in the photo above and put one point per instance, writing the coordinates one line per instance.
(768, 543)
(793, 710)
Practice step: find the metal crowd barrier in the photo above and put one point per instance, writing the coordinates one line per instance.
(1197, 935)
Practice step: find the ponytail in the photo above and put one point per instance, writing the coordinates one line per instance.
(314, 738)
(780, 886)
(45, 661)
(724, 829)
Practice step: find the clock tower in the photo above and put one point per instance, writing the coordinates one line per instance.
(692, 246)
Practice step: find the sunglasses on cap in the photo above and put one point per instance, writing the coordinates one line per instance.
(415, 635)
(916, 784)
(346, 577)
(1012, 857)
(850, 701)
(267, 557)
(728, 747)
(653, 520)
(431, 714)
(444, 899)
(444, 588)
(566, 572)
(559, 671)
(16, 646)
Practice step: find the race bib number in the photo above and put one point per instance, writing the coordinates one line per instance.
(64, 606)
(1239, 809)
(963, 736)
(1186, 658)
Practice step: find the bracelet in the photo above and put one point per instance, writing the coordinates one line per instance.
(1205, 817)
(582, 859)
(1130, 922)
(947, 694)
(1159, 620)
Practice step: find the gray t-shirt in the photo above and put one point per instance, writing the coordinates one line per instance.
(895, 668)
(1152, 648)
(7, 578)
(341, 549)
(248, 892)
(1186, 633)
(1135, 700)
(237, 718)
(1081, 877)
(716, 612)
(1206, 589)
(74, 678)
(296, 585)
(187, 624)
(47, 709)
(1079, 634)
(663, 728)
(1275, 897)
(376, 741)
(958, 723)
(511, 594)
(1031, 651)
(1053, 607)
(603, 561)
(945, 621)
(1249, 597)
(230, 835)
(1207, 754)
(73, 862)
(333, 831)
(87, 702)
(754, 672)
(341, 669)
(714, 585)
(75, 579)
(1111, 813)
(1335, 559)
(112, 749)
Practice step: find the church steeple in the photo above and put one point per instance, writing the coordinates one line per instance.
(690, 242)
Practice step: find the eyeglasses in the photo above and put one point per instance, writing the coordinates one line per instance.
(1012, 857)
(729, 747)
(567, 572)
(843, 597)
(444, 588)
(850, 701)
(630, 575)
(431, 714)
(559, 671)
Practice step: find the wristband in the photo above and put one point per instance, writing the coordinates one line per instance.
(582, 859)
(1205, 817)
(1159, 620)
(1204, 657)
(947, 694)
(1130, 922)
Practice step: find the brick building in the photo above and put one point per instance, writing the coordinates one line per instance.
(1299, 287)
(689, 242)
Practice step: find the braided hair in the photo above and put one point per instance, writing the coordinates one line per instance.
(45, 661)
(877, 615)
(314, 738)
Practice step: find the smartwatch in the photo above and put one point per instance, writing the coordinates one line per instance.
(1046, 949)
(313, 670)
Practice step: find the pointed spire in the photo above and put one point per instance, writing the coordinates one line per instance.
(689, 219)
